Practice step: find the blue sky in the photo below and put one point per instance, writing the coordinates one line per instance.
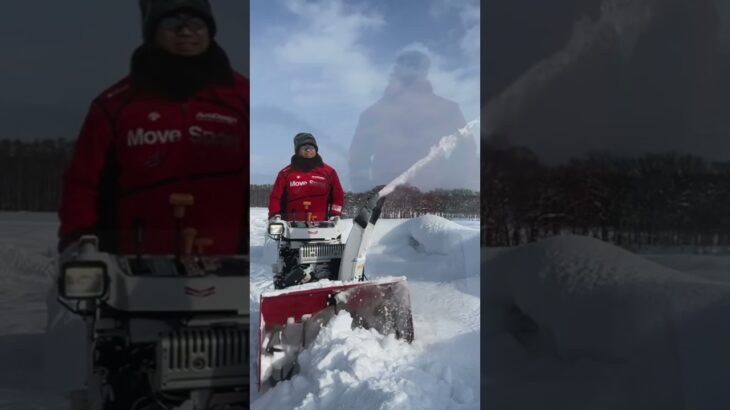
(316, 65)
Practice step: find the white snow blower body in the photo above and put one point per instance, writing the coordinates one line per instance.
(163, 332)
(316, 276)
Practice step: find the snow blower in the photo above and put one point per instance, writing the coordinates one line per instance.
(163, 331)
(316, 276)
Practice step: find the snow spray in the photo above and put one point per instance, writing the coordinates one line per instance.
(621, 21)
(444, 148)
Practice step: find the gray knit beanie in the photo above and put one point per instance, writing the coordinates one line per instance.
(304, 138)
(154, 10)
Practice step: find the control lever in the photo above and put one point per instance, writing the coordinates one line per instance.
(208, 264)
(179, 202)
(138, 264)
(189, 237)
(201, 244)
(306, 210)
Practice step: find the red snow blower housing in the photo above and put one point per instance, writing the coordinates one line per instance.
(316, 276)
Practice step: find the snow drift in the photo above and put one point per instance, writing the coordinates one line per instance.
(27, 263)
(345, 368)
(357, 368)
(575, 323)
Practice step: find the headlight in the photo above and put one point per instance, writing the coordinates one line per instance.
(276, 229)
(83, 280)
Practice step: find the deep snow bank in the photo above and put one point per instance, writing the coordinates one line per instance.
(27, 264)
(357, 368)
(25, 277)
(576, 323)
(427, 248)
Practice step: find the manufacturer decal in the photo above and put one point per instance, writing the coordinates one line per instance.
(116, 91)
(216, 117)
(198, 135)
(141, 136)
(201, 293)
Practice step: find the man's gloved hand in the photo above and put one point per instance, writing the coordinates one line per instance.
(275, 218)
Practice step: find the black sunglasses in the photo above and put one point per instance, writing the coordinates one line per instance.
(175, 23)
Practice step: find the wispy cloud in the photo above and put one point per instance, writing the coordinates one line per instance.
(468, 12)
(457, 78)
(328, 41)
(328, 60)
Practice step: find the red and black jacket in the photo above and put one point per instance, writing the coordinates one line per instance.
(137, 147)
(319, 186)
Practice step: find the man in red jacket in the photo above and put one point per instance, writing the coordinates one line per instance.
(307, 189)
(177, 124)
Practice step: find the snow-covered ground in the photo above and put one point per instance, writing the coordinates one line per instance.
(575, 323)
(27, 248)
(571, 323)
(359, 369)
(344, 369)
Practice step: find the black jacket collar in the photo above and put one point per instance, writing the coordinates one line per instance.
(179, 77)
(306, 164)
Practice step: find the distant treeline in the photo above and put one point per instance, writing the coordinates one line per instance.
(31, 173)
(404, 202)
(655, 199)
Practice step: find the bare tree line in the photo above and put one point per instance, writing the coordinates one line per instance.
(654, 199)
(31, 173)
(405, 202)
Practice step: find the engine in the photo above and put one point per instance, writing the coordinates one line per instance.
(308, 251)
(163, 332)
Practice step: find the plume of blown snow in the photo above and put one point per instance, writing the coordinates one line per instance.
(620, 21)
(444, 148)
